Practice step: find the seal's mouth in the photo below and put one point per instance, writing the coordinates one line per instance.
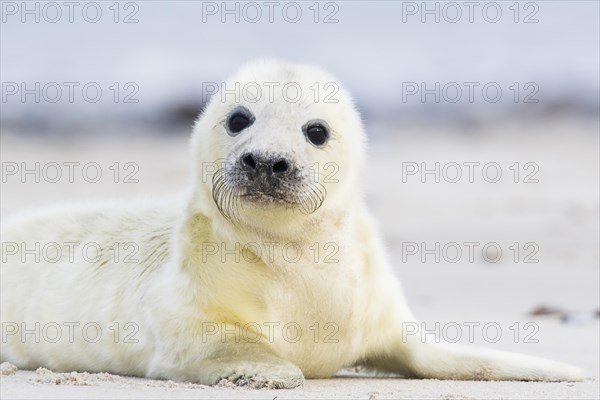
(233, 188)
(265, 197)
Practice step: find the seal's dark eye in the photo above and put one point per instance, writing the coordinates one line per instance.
(316, 132)
(239, 119)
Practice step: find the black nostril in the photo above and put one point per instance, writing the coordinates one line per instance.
(280, 167)
(248, 161)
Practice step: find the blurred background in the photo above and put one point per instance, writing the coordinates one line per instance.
(499, 86)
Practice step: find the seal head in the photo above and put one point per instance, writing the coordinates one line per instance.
(284, 141)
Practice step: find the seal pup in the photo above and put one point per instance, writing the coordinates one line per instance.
(267, 270)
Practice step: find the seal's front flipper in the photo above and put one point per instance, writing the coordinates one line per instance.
(249, 365)
(453, 361)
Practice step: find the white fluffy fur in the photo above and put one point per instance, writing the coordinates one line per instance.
(173, 292)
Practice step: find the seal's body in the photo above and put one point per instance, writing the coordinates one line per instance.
(267, 270)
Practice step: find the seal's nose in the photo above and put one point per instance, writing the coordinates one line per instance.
(261, 164)
(248, 162)
(280, 166)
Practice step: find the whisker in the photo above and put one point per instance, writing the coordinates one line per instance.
(305, 194)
